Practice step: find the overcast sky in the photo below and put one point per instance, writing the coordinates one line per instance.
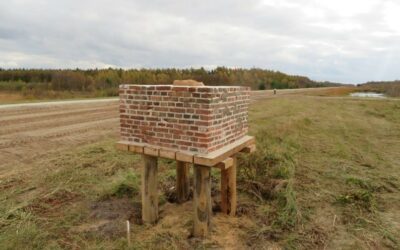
(348, 41)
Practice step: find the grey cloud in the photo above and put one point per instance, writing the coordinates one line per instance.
(299, 37)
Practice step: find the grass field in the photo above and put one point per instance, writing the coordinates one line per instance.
(326, 175)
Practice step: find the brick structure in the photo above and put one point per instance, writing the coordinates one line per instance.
(198, 119)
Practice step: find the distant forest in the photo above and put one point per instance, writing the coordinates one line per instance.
(104, 82)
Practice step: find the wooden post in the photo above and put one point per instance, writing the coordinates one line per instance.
(228, 189)
(149, 190)
(202, 200)
(182, 181)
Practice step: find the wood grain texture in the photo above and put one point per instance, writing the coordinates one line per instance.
(228, 189)
(153, 151)
(167, 154)
(182, 181)
(225, 164)
(121, 146)
(213, 158)
(149, 189)
(136, 148)
(184, 156)
(202, 201)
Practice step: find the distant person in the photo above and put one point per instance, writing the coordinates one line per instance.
(274, 91)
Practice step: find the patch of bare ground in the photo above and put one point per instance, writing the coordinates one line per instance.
(107, 218)
(29, 133)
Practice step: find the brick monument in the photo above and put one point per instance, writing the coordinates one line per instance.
(201, 125)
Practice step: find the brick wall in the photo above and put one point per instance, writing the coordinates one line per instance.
(199, 119)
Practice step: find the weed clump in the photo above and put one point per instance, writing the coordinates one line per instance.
(361, 199)
(267, 176)
(126, 186)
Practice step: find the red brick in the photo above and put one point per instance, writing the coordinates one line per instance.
(199, 119)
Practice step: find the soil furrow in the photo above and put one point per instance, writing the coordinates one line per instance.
(47, 134)
(51, 123)
(39, 117)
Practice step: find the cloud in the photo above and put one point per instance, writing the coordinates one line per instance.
(337, 40)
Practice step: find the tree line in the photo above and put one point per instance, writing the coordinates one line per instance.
(389, 88)
(104, 82)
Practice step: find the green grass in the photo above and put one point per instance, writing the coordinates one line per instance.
(325, 175)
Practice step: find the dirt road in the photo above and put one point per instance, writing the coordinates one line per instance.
(31, 131)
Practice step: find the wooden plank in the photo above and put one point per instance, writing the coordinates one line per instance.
(184, 156)
(153, 151)
(225, 164)
(247, 143)
(168, 154)
(136, 149)
(182, 181)
(219, 155)
(202, 200)
(123, 146)
(228, 189)
(249, 149)
(149, 189)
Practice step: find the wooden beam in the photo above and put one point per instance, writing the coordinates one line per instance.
(221, 154)
(225, 164)
(228, 189)
(123, 146)
(153, 151)
(182, 181)
(168, 154)
(202, 200)
(210, 159)
(184, 156)
(149, 189)
(136, 148)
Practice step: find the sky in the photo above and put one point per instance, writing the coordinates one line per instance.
(348, 41)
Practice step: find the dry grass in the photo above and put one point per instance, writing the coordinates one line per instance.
(6, 97)
(339, 91)
(325, 175)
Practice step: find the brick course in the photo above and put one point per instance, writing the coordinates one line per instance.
(199, 119)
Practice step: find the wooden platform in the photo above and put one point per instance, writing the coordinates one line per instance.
(224, 159)
(245, 144)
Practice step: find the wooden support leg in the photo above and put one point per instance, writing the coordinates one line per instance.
(202, 200)
(228, 189)
(182, 181)
(149, 190)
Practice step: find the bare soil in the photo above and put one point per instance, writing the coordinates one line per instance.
(27, 133)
